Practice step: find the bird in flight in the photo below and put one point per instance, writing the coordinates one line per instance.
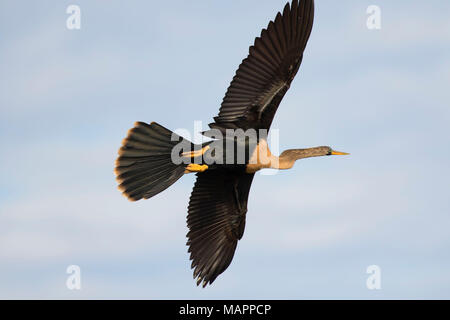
(152, 157)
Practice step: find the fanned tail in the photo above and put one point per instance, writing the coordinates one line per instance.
(144, 167)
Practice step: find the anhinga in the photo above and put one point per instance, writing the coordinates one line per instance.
(218, 203)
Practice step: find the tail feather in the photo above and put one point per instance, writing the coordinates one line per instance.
(144, 167)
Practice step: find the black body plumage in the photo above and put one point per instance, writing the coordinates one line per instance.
(218, 203)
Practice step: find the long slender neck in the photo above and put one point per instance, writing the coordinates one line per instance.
(263, 158)
(287, 159)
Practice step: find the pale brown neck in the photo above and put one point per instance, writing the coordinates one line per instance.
(263, 158)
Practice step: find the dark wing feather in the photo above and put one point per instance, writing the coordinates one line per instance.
(265, 75)
(216, 221)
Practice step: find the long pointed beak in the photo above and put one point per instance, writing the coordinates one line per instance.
(338, 153)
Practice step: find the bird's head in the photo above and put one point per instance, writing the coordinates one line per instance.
(311, 152)
(331, 152)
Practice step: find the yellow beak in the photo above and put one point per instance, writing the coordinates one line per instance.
(338, 153)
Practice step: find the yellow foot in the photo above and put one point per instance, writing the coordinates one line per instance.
(193, 167)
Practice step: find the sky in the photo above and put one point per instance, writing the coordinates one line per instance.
(68, 97)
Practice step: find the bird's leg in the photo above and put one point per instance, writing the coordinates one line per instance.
(193, 167)
(196, 153)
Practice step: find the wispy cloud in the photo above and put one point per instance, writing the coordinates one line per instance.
(67, 99)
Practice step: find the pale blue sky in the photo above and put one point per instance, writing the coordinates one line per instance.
(67, 99)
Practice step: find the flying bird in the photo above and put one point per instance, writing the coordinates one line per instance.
(218, 203)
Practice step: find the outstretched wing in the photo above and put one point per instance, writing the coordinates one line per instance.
(216, 221)
(265, 75)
